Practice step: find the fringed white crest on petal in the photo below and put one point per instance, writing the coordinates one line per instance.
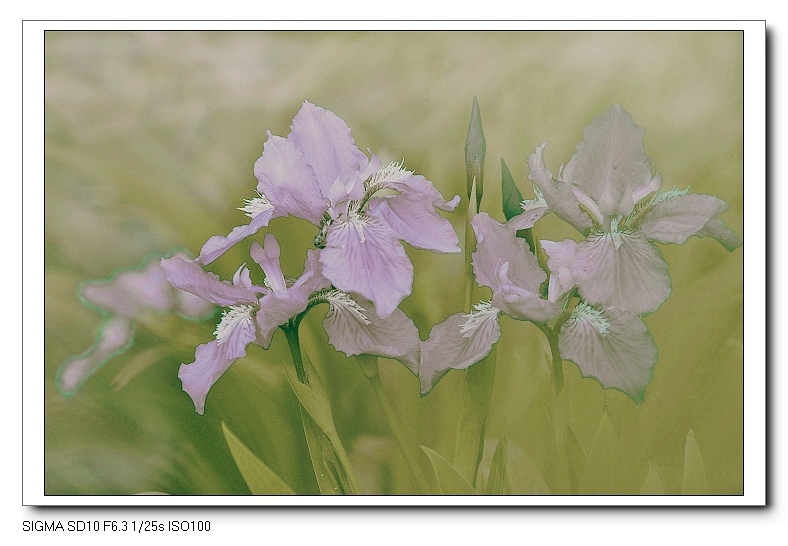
(336, 298)
(231, 318)
(484, 311)
(256, 206)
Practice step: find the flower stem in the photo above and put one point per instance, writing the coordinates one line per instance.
(291, 333)
(369, 365)
(558, 362)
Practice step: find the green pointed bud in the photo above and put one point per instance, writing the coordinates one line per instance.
(475, 148)
(510, 194)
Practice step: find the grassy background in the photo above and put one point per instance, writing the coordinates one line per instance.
(150, 142)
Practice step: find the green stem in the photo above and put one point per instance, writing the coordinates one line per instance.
(369, 365)
(558, 362)
(291, 333)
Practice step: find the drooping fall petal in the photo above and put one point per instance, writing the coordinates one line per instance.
(354, 327)
(675, 220)
(211, 360)
(190, 276)
(457, 343)
(363, 255)
(610, 345)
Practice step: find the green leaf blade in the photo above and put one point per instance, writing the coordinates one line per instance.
(694, 481)
(510, 194)
(449, 479)
(260, 479)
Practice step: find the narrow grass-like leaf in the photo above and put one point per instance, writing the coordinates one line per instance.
(523, 474)
(510, 194)
(602, 475)
(694, 480)
(450, 481)
(576, 458)
(498, 481)
(260, 479)
(653, 485)
(314, 400)
(328, 471)
(479, 383)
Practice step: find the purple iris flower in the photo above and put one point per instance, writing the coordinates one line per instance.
(317, 173)
(255, 312)
(609, 192)
(505, 264)
(609, 344)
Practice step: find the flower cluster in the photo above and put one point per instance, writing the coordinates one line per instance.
(598, 288)
(358, 266)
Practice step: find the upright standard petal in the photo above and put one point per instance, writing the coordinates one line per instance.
(363, 255)
(327, 145)
(233, 334)
(561, 262)
(557, 194)
(288, 182)
(457, 343)
(354, 327)
(268, 259)
(497, 247)
(191, 277)
(609, 164)
(622, 270)
(610, 345)
(675, 220)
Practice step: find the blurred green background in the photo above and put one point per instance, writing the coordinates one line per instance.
(150, 142)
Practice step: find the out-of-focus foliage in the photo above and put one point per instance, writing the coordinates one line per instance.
(150, 142)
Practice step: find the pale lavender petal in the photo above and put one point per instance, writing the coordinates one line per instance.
(276, 309)
(675, 220)
(633, 277)
(214, 358)
(354, 328)
(312, 279)
(190, 276)
(498, 245)
(528, 218)
(458, 343)
(609, 164)
(560, 261)
(328, 146)
(114, 337)
(288, 182)
(524, 304)
(268, 259)
(612, 346)
(415, 221)
(130, 291)
(363, 255)
(651, 186)
(418, 186)
(219, 244)
(717, 229)
(191, 306)
(558, 195)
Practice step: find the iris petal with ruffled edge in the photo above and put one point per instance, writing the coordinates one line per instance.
(212, 359)
(677, 219)
(609, 164)
(612, 346)
(633, 276)
(190, 276)
(363, 255)
(354, 327)
(456, 344)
